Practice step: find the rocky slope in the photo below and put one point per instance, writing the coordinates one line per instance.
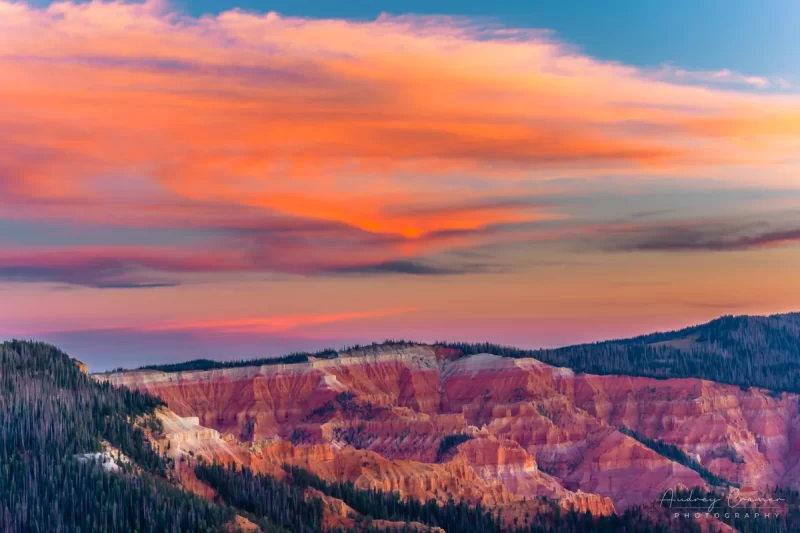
(379, 416)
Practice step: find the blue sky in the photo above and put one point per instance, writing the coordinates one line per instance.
(754, 37)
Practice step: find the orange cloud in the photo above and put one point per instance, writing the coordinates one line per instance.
(274, 324)
(344, 122)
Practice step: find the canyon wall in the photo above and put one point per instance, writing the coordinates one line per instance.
(386, 416)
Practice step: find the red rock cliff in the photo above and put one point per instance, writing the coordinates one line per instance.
(377, 417)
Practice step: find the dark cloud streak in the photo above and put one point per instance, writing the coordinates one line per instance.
(409, 267)
(98, 275)
(718, 237)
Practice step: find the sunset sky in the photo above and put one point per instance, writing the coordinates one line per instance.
(213, 179)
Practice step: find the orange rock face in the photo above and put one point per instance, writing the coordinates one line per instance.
(81, 365)
(378, 417)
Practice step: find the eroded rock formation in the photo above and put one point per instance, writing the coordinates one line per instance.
(380, 417)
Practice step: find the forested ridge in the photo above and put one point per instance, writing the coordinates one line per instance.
(674, 453)
(748, 351)
(50, 412)
(257, 492)
(461, 517)
(263, 497)
(290, 359)
(208, 364)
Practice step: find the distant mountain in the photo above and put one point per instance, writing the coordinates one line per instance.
(208, 364)
(760, 351)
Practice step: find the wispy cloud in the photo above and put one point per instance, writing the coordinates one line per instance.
(415, 268)
(720, 78)
(258, 325)
(273, 324)
(153, 267)
(699, 236)
(110, 267)
(345, 121)
(333, 147)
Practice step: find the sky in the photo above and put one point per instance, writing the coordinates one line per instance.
(230, 180)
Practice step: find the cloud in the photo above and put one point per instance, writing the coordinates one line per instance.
(257, 325)
(699, 236)
(408, 267)
(274, 324)
(343, 121)
(155, 267)
(110, 268)
(326, 146)
(721, 77)
(110, 275)
(722, 305)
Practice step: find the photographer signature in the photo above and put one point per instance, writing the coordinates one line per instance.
(734, 500)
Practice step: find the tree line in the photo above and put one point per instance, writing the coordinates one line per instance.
(50, 414)
(748, 351)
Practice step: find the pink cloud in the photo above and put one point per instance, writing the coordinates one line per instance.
(345, 121)
(275, 324)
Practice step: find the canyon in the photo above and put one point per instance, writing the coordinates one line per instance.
(433, 423)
